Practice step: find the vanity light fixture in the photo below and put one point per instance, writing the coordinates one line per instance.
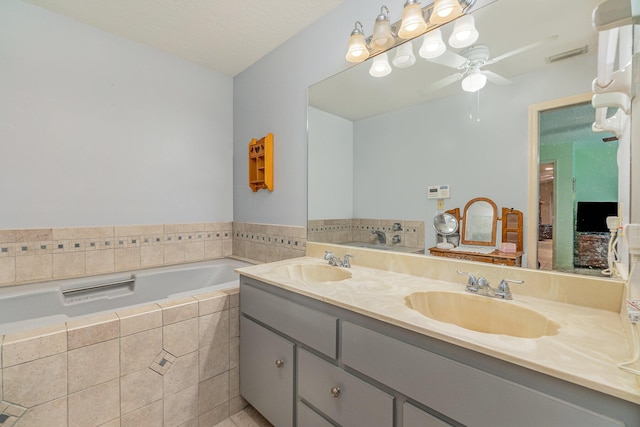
(464, 32)
(413, 23)
(404, 55)
(382, 37)
(445, 11)
(357, 51)
(432, 45)
(474, 80)
(380, 66)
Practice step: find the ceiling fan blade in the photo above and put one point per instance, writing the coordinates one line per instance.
(450, 59)
(521, 49)
(439, 84)
(496, 78)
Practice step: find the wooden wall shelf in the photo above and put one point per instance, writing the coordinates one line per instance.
(261, 163)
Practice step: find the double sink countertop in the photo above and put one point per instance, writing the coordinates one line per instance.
(589, 345)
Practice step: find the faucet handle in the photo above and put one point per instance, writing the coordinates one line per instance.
(328, 255)
(347, 263)
(472, 283)
(503, 290)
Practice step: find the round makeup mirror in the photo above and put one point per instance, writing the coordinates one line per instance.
(446, 226)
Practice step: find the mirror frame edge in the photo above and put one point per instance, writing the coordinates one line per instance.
(534, 161)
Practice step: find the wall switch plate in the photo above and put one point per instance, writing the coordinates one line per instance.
(438, 192)
(440, 205)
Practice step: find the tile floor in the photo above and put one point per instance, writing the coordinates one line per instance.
(248, 417)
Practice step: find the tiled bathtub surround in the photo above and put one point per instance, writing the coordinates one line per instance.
(171, 364)
(267, 242)
(359, 230)
(57, 253)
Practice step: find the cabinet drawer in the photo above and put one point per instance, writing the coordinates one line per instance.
(266, 376)
(414, 417)
(460, 392)
(311, 327)
(357, 404)
(307, 417)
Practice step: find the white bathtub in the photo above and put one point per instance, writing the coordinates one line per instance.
(40, 304)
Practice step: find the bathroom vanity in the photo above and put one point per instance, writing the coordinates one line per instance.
(319, 348)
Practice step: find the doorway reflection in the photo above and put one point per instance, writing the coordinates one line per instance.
(577, 190)
(546, 215)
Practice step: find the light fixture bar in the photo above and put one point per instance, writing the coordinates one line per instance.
(426, 11)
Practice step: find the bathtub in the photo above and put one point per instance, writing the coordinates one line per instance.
(45, 303)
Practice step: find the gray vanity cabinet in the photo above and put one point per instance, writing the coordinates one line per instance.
(464, 393)
(341, 368)
(266, 377)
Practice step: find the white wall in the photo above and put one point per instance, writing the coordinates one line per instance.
(331, 171)
(271, 96)
(399, 154)
(98, 130)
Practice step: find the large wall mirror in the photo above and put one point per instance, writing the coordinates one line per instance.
(377, 144)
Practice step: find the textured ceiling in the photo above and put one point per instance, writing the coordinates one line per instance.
(225, 35)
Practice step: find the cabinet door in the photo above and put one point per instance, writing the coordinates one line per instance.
(342, 397)
(307, 417)
(266, 374)
(414, 417)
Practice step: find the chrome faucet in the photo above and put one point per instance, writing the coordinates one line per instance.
(382, 238)
(503, 290)
(337, 262)
(333, 260)
(481, 286)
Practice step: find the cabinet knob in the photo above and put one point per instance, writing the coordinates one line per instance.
(335, 391)
(279, 363)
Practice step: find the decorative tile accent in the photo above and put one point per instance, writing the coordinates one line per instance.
(30, 250)
(267, 242)
(162, 362)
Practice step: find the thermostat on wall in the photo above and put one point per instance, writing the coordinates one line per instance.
(438, 192)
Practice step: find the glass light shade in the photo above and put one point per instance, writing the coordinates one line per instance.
(432, 45)
(464, 32)
(474, 81)
(413, 23)
(382, 36)
(445, 11)
(380, 66)
(357, 51)
(404, 56)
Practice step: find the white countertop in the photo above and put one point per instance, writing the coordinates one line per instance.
(590, 344)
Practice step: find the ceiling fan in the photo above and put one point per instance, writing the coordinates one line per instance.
(470, 63)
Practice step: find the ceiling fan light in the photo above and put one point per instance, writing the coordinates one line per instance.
(445, 11)
(432, 45)
(357, 50)
(404, 56)
(474, 81)
(464, 32)
(413, 23)
(382, 37)
(380, 66)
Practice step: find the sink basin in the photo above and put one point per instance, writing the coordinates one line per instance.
(482, 314)
(313, 273)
